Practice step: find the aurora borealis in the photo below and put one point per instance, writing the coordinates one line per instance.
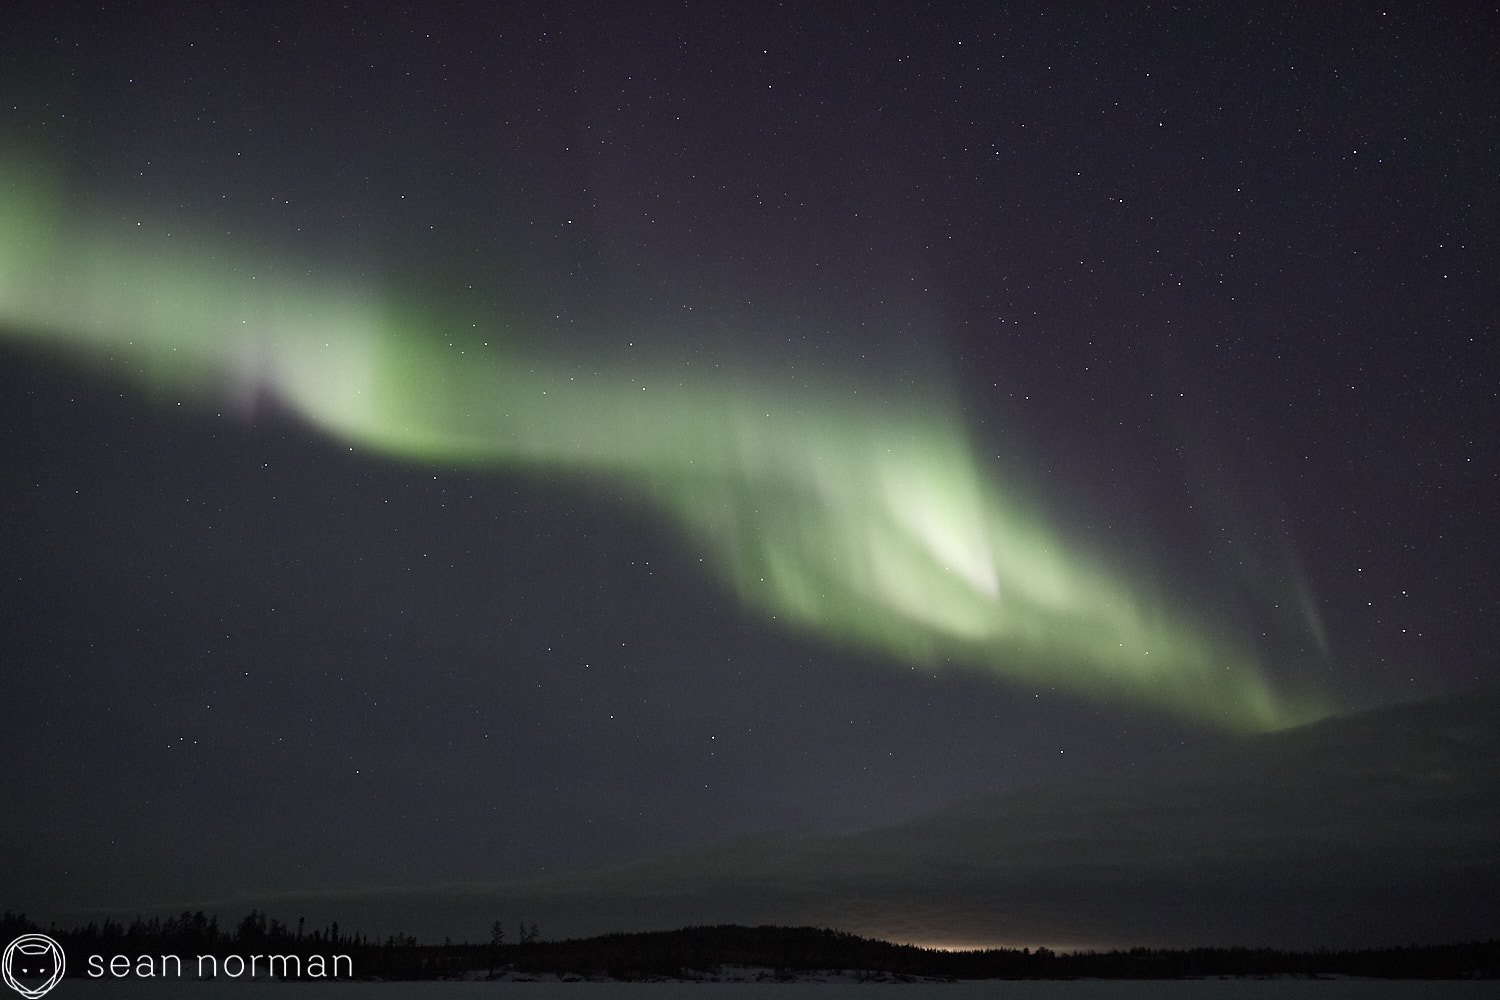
(865, 525)
(457, 445)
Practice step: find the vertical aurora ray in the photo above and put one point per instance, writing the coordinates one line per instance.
(865, 526)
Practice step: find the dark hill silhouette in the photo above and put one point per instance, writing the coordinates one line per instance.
(1370, 829)
(1380, 827)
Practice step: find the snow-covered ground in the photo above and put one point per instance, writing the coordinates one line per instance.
(727, 974)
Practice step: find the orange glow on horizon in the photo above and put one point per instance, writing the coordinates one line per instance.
(950, 945)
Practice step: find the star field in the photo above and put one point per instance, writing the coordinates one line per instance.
(449, 444)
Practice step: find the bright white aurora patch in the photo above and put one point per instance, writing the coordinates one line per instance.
(859, 523)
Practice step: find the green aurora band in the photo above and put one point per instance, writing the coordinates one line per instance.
(863, 525)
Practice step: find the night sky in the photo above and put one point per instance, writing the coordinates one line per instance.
(465, 443)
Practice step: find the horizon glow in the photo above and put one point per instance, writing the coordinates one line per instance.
(869, 526)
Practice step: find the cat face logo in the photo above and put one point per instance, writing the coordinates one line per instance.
(33, 964)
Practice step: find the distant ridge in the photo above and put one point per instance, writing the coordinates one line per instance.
(1376, 828)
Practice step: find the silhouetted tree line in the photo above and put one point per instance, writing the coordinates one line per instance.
(195, 933)
(702, 952)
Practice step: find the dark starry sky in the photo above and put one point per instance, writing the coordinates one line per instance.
(1221, 281)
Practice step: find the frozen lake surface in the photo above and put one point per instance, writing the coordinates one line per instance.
(1230, 989)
